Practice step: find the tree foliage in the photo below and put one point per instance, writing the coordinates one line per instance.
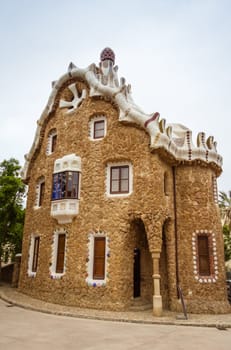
(225, 208)
(227, 242)
(12, 193)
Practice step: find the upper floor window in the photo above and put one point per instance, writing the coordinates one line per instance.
(65, 185)
(98, 127)
(40, 192)
(119, 179)
(52, 141)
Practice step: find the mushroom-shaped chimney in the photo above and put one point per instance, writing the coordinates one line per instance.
(107, 54)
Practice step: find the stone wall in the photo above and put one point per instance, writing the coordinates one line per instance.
(197, 212)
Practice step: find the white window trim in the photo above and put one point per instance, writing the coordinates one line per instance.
(89, 265)
(108, 179)
(214, 276)
(54, 251)
(51, 134)
(31, 256)
(37, 191)
(91, 127)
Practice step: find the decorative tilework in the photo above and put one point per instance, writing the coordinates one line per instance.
(213, 256)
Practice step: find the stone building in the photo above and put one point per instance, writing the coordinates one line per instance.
(121, 206)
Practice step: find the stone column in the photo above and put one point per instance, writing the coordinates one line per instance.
(157, 298)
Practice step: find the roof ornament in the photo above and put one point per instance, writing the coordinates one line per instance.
(107, 54)
(108, 71)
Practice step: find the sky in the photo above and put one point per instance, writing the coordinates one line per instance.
(176, 54)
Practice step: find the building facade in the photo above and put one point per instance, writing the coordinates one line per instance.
(121, 206)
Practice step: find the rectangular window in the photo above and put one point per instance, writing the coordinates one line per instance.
(203, 256)
(119, 180)
(99, 258)
(41, 193)
(53, 143)
(60, 253)
(35, 254)
(66, 185)
(99, 129)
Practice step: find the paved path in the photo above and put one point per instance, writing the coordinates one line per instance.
(11, 295)
(23, 329)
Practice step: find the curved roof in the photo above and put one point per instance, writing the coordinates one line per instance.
(173, 140)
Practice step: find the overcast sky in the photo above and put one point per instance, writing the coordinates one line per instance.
(176, 54)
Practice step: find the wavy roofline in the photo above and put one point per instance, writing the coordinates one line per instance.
(174, 139)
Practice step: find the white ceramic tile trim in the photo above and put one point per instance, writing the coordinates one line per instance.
(208, 279)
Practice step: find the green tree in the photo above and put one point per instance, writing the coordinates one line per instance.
(225, 209)
(12, 193)
(227, 242)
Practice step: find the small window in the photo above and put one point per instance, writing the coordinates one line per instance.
(58, 256)
(203, 255)
(65, 185)
(119, 180)
(51, 142)
(99, 258)
(60, 253)
(99, 129)
(35, 254)
(41, 193)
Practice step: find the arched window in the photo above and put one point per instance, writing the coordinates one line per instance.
(51, 142)
(40, 192)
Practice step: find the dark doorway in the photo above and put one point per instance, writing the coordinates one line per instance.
(136, 274)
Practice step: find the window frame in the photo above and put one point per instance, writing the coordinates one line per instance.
(33, 256)
(51, 145)
(60, 253)
(213, 256)
(63, 178)
(90, 280)
(99, 258)
(101, 129)
(120, 180)
(54, 272)
(93, 121)
(203, 254)
(41, 193)
(34, 266)
(120, 193)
